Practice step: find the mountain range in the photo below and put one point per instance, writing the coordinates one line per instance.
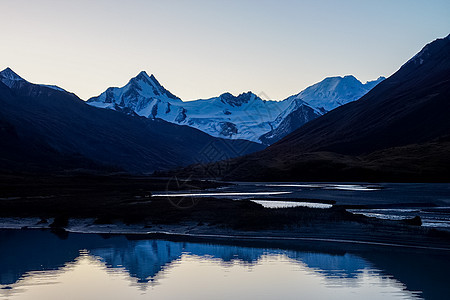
(338, 129)
(399, 130)
(45, 129)
(245, 116)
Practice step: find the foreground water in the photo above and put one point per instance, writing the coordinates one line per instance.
(40, 265)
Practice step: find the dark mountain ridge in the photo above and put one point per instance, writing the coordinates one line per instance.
(43, 128)
(411, 106)
(399, 131)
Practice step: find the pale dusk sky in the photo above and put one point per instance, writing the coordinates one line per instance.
(200, 49)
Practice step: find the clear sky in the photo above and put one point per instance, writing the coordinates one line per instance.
(200, 49)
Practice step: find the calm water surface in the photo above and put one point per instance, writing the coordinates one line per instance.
(40, 265)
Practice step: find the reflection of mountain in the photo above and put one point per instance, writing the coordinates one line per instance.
(24, 251)
(31, 251)
(142, 259)
(145, 259)
(428, 273)
(227, 253)
(333, 266)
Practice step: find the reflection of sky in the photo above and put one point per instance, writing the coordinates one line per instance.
(203, 277)
(145, 259)
(32, 250)
(109, 267)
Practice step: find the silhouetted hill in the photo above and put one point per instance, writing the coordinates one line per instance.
(45, 129)
(397, 132)
(411, 106)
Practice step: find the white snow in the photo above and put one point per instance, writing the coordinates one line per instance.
(53, 87)
(9, 78)
(245, 116)
(333, 92)
(9, 74)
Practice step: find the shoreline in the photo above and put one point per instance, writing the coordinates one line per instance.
(128, 206)
(207, 233)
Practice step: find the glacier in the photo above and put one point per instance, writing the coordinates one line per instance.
(245, 116)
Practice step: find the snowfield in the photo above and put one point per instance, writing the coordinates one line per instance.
(245, 116)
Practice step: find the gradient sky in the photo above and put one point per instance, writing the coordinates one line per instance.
(200, 49)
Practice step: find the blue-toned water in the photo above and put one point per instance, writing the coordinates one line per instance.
(38, 264)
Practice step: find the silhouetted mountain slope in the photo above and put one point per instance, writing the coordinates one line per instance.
(411, 106)
(44, 128)
(291, 120)
(428, 162)
(397, 131)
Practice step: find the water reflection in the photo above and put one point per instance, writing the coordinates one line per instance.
(39, 264)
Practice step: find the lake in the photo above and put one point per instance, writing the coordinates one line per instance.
(37, 264)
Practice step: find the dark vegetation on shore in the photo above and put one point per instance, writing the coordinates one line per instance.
(83, 195)
(128, 199)
(91, 185)
(428, 162)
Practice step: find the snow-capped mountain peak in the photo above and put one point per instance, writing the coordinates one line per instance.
(294, 105)
(245, 116)
(149, 86)
(370, 84)
(335, 91)
(10, 74)
(239, 100)
(9, 77)
(143, 74)
(139, 95)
